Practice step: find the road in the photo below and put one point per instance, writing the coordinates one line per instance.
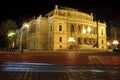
(59, 66)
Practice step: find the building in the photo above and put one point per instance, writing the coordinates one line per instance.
(65, 28)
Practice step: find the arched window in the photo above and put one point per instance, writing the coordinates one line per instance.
(60, 46)
(78, 40)
(60, 39)
(50, 39)
(72, 29)
(50, 28)
(85, 40)
(78, 28)
(101, 32)
(102, 42)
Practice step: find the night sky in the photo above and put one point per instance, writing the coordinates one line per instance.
(21, 10)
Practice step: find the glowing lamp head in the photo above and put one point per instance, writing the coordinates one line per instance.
(83, 31)
(71, 39)
(11, 34)
(89, 29)
(25, 25)
(115, 42)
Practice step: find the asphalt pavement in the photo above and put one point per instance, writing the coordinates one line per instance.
(59, 66)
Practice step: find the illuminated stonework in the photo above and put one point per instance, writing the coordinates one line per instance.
(52, 31)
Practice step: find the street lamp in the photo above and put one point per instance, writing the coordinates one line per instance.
(89, 29)
(115, 42)
(11, 35)
(25, 25)
(71, 39)
(83, 31)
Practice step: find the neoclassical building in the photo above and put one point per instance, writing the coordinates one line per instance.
(64, 28)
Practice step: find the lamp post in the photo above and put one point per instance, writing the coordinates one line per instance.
(25, 25)
(21, 43)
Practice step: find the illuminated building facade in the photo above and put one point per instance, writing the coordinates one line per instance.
(66, 28)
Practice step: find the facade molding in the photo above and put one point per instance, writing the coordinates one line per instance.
(52, 31)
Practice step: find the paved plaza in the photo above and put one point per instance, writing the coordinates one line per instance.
(56, 66)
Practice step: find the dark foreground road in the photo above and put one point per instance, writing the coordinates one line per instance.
(59, 66)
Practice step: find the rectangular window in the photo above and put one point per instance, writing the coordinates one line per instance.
(60, 46)
(60, 27)
(50, 39)
(78, 28)
(78, 40)
(50, 28)
(85, 40)
(60, 39)
(72, 29)
(102, 41)
(101, 32)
